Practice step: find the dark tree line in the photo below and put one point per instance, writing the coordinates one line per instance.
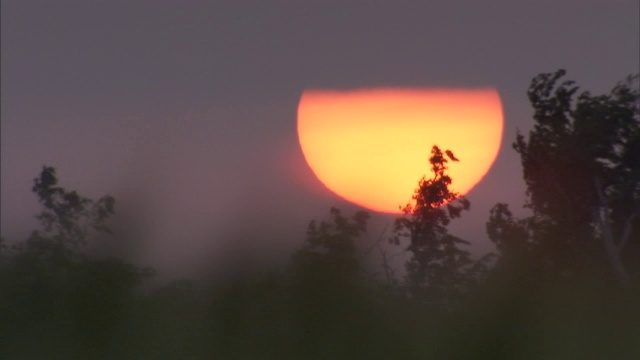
(572, 264)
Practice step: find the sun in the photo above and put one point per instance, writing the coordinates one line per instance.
(372, 146)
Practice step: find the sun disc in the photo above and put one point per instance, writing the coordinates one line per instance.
(371, 146)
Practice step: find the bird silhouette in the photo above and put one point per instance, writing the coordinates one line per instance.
(450, 155)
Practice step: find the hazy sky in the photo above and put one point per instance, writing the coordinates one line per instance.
(185, 111)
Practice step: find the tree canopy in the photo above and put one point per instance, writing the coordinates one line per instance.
(581, 166)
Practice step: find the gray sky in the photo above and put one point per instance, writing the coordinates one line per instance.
(185, 111)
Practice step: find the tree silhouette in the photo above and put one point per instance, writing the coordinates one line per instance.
(55, 294)
(328, 288)
(439, 270)
(331, 246)
(581, 166)
(67, 217)
(327, 265)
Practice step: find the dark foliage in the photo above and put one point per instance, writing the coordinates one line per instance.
(56, 299)
(440, 269)
(581, 166)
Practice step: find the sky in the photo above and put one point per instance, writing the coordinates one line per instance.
(185, 111)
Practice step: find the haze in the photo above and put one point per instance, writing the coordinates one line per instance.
(185, 111)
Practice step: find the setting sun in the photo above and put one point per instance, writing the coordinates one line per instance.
(371, 146)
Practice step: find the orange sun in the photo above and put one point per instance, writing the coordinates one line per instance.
(371, 146)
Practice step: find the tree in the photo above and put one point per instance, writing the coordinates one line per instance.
(330, 251)
(439, 268)
(328, 293)
(67, 217)
(52, 291)
(581, 166)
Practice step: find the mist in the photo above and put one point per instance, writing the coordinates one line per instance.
(185, 113)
